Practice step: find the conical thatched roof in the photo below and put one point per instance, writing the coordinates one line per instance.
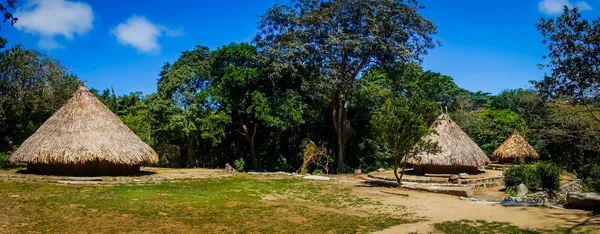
(515, 147)
(84, 130)
(456, 148)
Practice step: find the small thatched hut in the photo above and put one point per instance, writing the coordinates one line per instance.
(457, 153)
(515, 149)
(84, 138)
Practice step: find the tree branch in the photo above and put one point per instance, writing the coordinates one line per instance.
(591, 112)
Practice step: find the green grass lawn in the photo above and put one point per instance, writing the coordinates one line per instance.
(240, 204)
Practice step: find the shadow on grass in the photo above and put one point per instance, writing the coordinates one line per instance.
(140, 173)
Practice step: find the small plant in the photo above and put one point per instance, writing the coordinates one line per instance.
(315, 155)
(4, 161)
(239, 164)
(316, 172)
(510, 192)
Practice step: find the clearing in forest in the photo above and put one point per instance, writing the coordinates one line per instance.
(261, 204)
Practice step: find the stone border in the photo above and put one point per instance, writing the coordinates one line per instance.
(486, 182)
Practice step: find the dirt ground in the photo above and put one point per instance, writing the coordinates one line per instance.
(490, 194)
(436, 208)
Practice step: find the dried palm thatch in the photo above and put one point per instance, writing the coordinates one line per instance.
(515, 149)
(456, 148)
(84, 131)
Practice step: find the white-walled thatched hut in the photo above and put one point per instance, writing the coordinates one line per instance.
(458, 153)
(84, 138)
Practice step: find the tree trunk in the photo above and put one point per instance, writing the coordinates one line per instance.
(339, 122)
(250, 139)
(398, 179)
(403, 169)
(191, 154)
(183, 154)
(591, 112)
(255, 162)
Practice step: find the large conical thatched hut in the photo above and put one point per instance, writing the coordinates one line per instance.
(457, 152)
(84, 138)
(515, 149)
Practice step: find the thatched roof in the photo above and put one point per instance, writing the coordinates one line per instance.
(515, 147)
(84, 130)
(456, 148)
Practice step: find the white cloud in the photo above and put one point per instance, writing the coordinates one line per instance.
(555, 7)
(583, 6)
(50, 18)
(142, 34)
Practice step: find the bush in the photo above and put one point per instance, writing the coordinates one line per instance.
(534, 176)
(4, 161)
(521, 174)
(590, 174)
(239, 164)
(549, 175)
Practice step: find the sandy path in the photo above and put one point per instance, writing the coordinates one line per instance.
(436, 208)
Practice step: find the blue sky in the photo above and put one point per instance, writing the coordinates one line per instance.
(487, 45)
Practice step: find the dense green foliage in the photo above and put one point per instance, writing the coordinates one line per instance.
(521, 174)
(490, 127)
(549, 175)
(591, 175)
(32, 87)
(6, 9)
(535, 176)
(334, 41)
(324, 71)
(573, 57)
(4, 161)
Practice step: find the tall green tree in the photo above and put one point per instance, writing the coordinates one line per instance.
(337, 40)
(573, 58)
(32, 87)
(6, 9)
(401, 124)
(179, 91)
(243, 88)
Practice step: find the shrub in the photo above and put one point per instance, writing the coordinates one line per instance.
(534, 176)
(316, 172)
(549, 175)
(521, 174)
(510, 192)
(4, 161)
(590, 174)
(239, 164)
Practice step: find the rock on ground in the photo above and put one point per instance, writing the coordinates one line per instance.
(522, 190)
(586, 201)
(314, 177)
